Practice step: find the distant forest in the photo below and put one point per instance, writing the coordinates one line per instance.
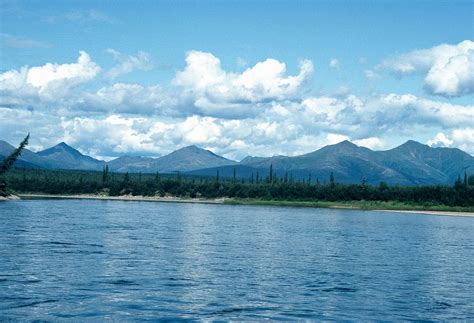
(271, 187)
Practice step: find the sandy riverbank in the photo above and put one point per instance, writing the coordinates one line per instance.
(231, 201)
(126, 198)
(443, 213)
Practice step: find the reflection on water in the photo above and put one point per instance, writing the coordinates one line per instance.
(120, 260)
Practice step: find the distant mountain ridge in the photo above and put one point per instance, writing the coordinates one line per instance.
(411, 163)
(70, 158)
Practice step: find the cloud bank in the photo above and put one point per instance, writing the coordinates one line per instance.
(448, 69)
(262, 110)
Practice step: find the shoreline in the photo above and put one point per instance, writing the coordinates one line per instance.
(124, 198)
(230, 201)
(440, 213)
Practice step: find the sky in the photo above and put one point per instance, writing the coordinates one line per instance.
(239, 78)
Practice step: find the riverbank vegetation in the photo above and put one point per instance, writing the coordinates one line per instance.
(271, 190)
(361, 205)
(7, 163)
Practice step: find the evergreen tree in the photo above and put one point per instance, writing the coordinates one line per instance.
(271, 173)
(458, 183)
(126, 178)
(105, 174)
(364, 184)
(8, 163)
(11, 159)
(332, 182)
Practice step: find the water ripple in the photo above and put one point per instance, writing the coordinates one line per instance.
(111, 260)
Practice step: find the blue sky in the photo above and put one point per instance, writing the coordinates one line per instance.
(356, 49)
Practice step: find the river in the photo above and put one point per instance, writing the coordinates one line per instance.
(121, 260)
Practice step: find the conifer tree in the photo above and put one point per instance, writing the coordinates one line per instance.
(8, 163)
(10, 160)
(126, 178)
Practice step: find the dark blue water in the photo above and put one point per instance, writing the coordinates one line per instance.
(95, 260)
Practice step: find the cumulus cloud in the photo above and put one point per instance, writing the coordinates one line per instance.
(260, 111)
(462, 138)
(440, 140)
(373, 143)
(127, 98)
(50, 79)
(334, 138)
(448, 69)
(127, 63)
(212, 88)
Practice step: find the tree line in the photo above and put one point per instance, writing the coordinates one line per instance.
(272, 187)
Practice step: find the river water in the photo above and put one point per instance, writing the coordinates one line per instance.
(119, 260)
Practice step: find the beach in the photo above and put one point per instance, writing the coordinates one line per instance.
(170, 199)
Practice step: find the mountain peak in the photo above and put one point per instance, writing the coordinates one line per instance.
(346, 143)
(70, 157)
(65, 146)
(191, 148)
(61, 147)
(412, 144)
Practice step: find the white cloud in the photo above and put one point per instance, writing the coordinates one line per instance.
(260, 111)
(127, 63)
(128, 98)
(211, 88)
(373, 143)
(462, 138)
(50, 80)
(334, 63)
(440, 140)
(336, 138)
(448, 69)
(82, 71)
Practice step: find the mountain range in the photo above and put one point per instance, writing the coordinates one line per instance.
(411, 163)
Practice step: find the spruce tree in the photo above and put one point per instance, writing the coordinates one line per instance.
(8, 163)
(11, 159)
